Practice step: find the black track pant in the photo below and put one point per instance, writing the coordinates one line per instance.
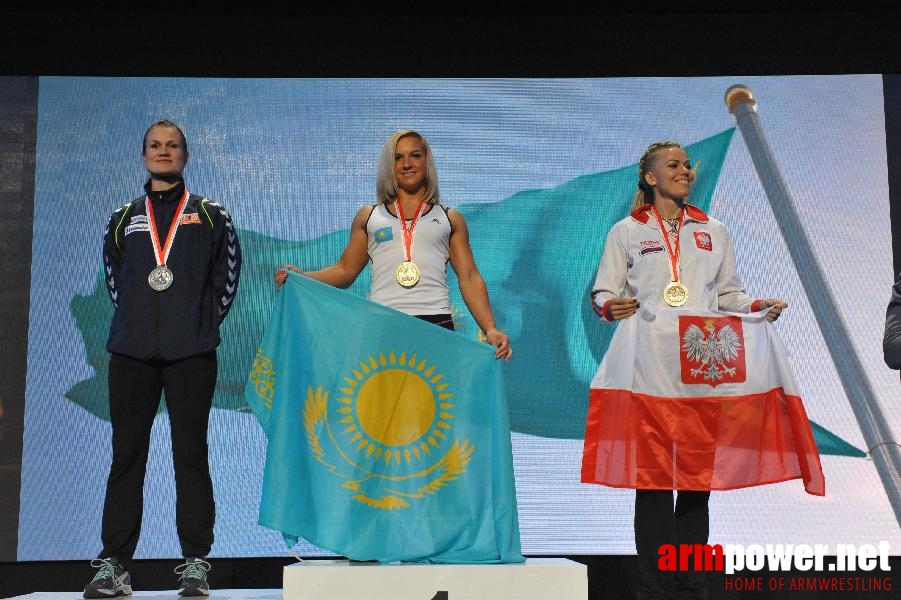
(135, 387)
(657, 522)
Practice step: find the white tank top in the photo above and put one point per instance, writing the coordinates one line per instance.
(431, 244)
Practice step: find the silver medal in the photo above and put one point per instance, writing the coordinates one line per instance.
(160, 278)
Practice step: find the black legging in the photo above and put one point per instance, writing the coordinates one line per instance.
(658, 523)
(135, 387)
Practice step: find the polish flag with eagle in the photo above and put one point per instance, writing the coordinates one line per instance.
(697, 400)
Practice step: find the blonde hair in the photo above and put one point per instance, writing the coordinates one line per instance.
(645, 193)
(386, 182)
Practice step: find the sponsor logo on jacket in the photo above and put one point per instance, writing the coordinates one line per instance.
(650, 247)
(137, 227)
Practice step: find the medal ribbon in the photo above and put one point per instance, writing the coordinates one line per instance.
(163, 255)
(409, 232)
(673, 255)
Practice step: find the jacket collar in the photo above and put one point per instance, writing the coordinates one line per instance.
(171, 195)
(642, 214)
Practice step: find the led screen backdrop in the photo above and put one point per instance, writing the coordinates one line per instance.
(541, 168)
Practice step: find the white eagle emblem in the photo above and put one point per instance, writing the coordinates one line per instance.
(712, 351)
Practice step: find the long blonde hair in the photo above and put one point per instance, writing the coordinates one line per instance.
(386, 182)
(645, 193)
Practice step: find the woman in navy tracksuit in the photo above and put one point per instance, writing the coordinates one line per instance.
(172, 263)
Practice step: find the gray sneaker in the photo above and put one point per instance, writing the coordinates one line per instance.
(193, 577)
(110, 580)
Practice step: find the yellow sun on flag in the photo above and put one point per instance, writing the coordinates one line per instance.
(395, 407)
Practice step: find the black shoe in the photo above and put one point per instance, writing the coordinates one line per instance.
(110, 580)
(193, 577)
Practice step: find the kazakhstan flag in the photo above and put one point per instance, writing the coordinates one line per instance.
(389, 437)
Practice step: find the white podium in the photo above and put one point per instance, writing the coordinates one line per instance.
(536, 579)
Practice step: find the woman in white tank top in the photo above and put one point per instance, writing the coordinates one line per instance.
(410, 237)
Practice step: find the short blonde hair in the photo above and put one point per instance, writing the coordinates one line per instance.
(386, 182)
(645, 194)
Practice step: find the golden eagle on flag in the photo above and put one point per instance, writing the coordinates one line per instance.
(388, 437)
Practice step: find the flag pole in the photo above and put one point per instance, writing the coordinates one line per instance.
(881, 445)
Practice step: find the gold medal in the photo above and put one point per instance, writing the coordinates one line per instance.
(675, 293)
(407, 274)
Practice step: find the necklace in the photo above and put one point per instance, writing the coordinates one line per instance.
(673, 223)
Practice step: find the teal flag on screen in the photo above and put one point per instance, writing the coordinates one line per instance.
(388, 437)
(538, 250)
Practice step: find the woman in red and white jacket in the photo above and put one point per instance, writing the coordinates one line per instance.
(666, 255)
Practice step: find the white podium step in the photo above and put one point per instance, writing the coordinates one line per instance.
(536, 579)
